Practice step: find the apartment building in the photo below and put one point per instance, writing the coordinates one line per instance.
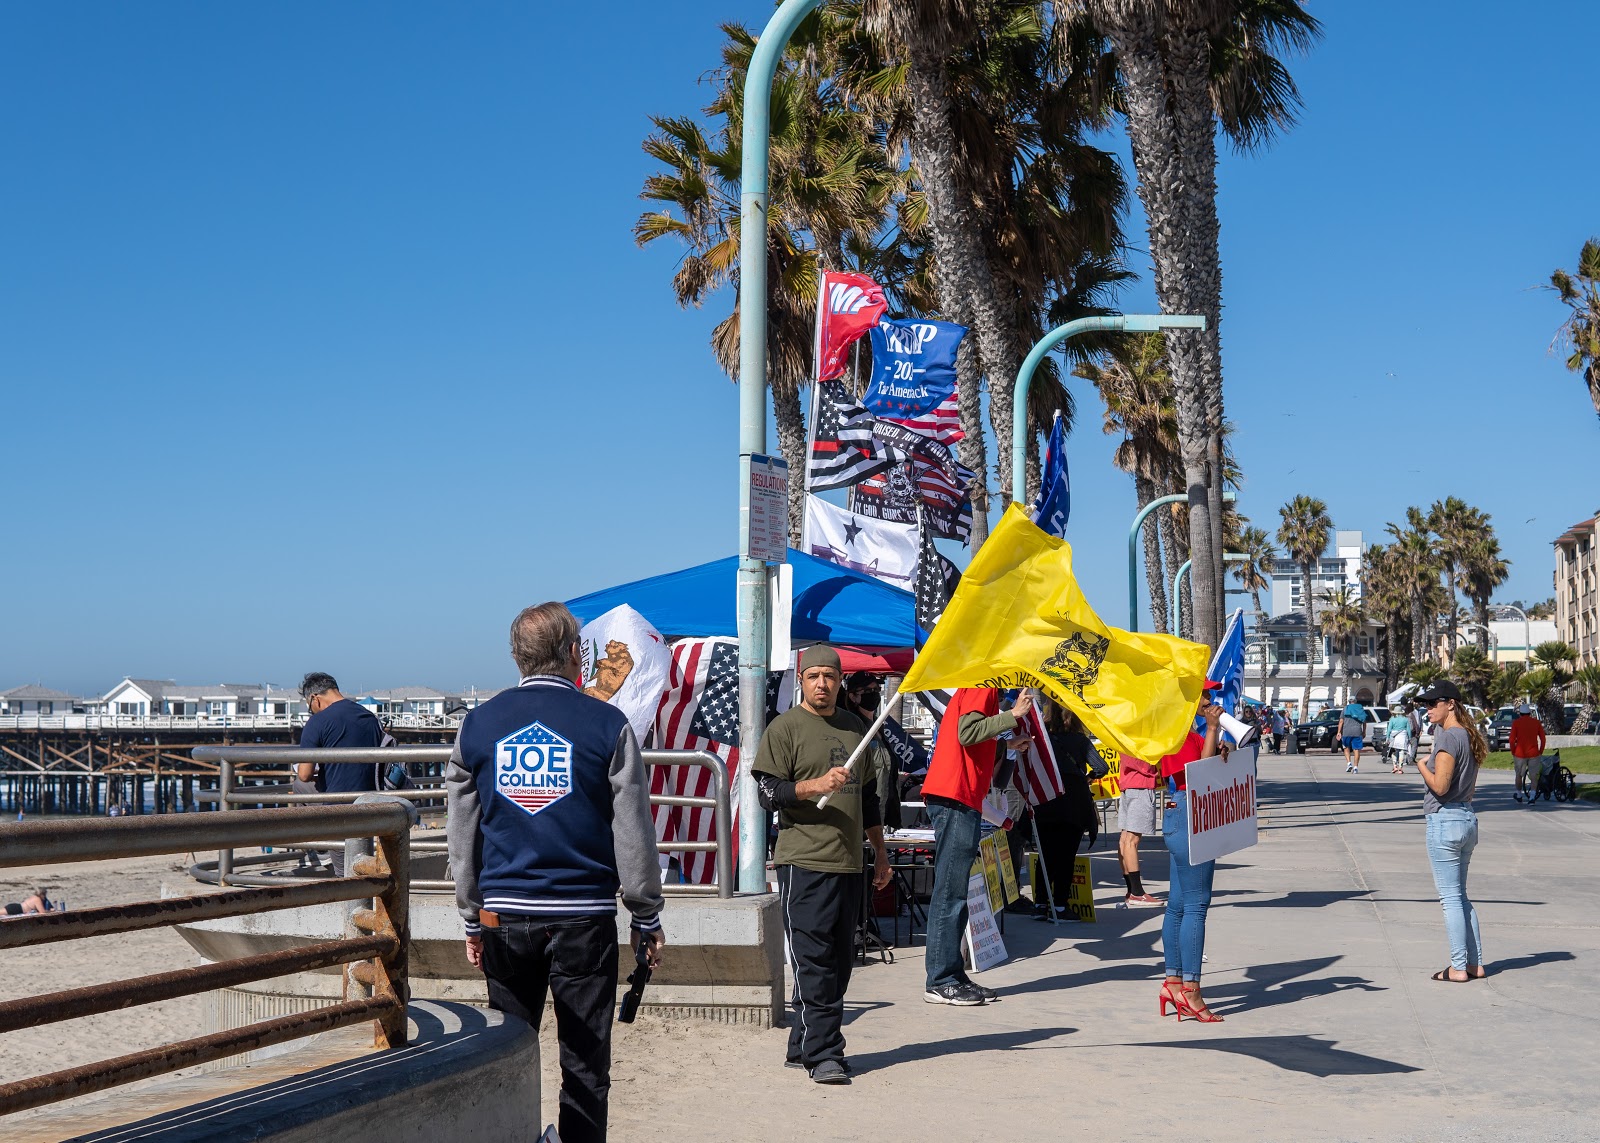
(1577, 594)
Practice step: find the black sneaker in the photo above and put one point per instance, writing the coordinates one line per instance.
(959, 993)
(793, 1064)
(830, 1071)
(989, 995)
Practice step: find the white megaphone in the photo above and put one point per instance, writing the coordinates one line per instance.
(1242, 733)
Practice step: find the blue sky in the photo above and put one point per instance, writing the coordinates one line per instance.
(324, 342)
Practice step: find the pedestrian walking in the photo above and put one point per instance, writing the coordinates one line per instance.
(1183, 929)
(818, 854)
(1527, 745)
(1352, 736)
(1280, 727)
(549, 817)
(1451, 774)
(1399, 730)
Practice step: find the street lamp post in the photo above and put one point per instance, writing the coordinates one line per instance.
(1133, 548)
(1527, 651)
(1187, 565)
(755, 619)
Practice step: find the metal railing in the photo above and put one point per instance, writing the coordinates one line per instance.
(376, 956)
(231, 795)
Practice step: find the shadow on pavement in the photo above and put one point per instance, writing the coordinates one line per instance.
(1269, 985)
(1304, 1054)
(1019, 1040)
(1529, 961)
(1302, 899)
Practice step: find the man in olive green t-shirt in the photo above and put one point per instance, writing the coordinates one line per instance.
(818, 856)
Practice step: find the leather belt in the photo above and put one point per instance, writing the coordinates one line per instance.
(488, 920)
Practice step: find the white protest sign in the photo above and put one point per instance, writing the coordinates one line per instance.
(1222, 804)
(984, 942)
(625, 663)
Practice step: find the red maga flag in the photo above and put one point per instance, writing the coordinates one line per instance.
(848, 305)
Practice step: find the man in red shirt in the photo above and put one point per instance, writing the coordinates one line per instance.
(1136, 815)
(959, 777)
(1527, 744)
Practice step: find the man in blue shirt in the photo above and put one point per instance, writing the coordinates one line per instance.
(336, 721)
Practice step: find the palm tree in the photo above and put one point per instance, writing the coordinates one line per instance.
(1342, 620)
(1482, 570)
(1188, 67)
(1587, 682)
(1304, 536)
(1506, 686)
(1255, 573)
(1416, 570)
(1546, 684)
(1474, 670)
(1424, 672)
(1134, 384)
(1580, 333)
(1455, 525)
(831, 188)
(1385, 591)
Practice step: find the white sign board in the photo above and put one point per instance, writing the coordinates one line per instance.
(984, 942)
(780, 592)
(766, 531)
(1222, 804)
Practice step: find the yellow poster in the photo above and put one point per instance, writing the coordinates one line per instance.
(1008, 873)
(991, 872)
(1080, 898)
(1111, 785)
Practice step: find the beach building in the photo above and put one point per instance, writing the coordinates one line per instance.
(164, 699)
(37, 701)
(1577, 592)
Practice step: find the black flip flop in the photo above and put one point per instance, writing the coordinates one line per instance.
(1444, 975)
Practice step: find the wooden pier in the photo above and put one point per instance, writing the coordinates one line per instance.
(87, 771)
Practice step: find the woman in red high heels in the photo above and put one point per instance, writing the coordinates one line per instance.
(1183, 931)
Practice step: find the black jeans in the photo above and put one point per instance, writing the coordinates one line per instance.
(577, 962)
(1058, 847)
(820, 914)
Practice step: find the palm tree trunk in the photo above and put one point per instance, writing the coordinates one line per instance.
(1144, 491)
(953, 234)
(1480, 613)
(1186, 275)
(1174, 550)
(1311, 635)
(973, 449)
(792, 446)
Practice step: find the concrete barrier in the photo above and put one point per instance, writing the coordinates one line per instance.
(1566, 741)
(468, 1074)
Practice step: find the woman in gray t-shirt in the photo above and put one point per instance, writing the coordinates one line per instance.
(1450, 775)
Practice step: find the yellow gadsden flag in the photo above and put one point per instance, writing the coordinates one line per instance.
(1019, 619)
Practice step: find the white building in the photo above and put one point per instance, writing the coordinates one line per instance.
(37, 701)
(209, 702)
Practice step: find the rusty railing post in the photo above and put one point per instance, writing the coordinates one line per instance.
(390, 916)
(224, 788)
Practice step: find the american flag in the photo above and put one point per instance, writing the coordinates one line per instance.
(700, 711)
(841, 453)
(932, 589)
(942, 424)
(1038, 774)
(949, 505)
(890, 496)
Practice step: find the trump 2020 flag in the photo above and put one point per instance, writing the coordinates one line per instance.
(913, 368)
(848, 305)
(886, 551)
(1019, 618)
(1055, 493)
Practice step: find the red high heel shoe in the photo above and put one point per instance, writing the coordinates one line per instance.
(1168, 997)
(1202, 1014)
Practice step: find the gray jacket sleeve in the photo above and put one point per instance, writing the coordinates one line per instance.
(466, 842)
(633, 835)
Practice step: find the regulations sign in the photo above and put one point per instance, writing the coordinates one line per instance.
(766, 526)
(1222, 804)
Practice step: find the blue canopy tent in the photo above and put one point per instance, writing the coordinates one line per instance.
(831, 604)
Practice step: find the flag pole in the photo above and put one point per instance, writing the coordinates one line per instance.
(861, 747)
(1044, 871)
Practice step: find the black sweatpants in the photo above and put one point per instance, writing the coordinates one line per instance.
(576, 961)
(820, 914)
(1058, 848)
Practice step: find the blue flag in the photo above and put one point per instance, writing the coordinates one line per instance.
(1227, 666)
(1055, 494)
(913, 367)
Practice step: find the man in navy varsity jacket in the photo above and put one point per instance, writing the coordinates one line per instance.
(549, 819)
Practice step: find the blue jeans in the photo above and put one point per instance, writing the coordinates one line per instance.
(1183, 930)
(1452, 836)
(955, 848)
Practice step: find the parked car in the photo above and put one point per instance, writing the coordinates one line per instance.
(1499, 732)
(1323, 730)
(1569, 715)
(1425, 739)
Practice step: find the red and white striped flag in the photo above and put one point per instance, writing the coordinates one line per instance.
(1038, 776)
(700, 711)
(942, 423)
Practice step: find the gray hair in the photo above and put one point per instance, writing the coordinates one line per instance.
(540, 638)
(316, 683)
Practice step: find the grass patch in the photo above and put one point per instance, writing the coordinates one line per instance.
(1578, 759)
(1589, 792)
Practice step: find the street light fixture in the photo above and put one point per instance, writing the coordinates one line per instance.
(1184, 569)
(1133, 547)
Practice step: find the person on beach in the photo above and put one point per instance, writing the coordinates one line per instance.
(1062, 822)
(1399, 731)
(1451, 774)
(39, 902)
(1183, 929)
(1353, 736)
(549, 817)
(959, 778)
(1527, 745)
(804, 756)
(336, 721)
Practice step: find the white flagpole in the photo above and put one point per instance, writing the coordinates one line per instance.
(816, 374)
(861, 747)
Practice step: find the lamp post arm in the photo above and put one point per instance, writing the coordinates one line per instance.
(1133, 552)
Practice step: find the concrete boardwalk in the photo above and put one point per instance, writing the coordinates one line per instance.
(1321, 941)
